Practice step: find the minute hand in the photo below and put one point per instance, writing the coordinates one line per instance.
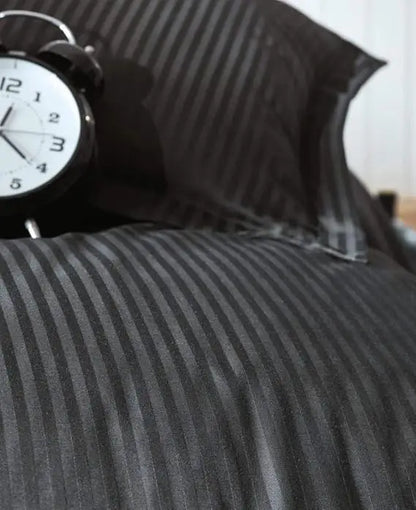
(12, 145)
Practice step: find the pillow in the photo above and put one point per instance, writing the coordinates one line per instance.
(220, 114)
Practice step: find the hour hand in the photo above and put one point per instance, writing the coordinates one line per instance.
(6, 116)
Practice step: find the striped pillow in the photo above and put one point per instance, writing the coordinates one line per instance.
(214, 113)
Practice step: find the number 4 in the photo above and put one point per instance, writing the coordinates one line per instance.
(43, 168)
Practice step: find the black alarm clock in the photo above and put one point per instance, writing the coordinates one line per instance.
(47, 127)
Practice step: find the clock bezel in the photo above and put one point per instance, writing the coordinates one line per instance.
(28, 203)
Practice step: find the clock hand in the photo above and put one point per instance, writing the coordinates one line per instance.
(12, 145)
(25, 132)
(6, 116)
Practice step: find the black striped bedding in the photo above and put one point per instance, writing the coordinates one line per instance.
(182, 369)
(236, 329)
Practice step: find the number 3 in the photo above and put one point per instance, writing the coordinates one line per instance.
(58, 144)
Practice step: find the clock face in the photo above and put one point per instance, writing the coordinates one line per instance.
(40, 126)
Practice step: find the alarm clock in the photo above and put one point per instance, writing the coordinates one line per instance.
(47, 127)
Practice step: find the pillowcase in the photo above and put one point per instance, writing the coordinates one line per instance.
(220, 114)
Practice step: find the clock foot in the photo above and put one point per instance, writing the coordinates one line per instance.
(33, 228)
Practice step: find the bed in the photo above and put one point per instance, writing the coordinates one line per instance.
(230, 321)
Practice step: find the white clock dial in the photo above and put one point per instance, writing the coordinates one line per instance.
(40, 126)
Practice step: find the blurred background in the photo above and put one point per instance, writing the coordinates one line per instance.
(380, 134)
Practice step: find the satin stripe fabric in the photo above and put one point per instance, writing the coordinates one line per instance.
(237, 93)
(173, 369)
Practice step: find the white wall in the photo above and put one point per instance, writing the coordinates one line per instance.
(381, 130)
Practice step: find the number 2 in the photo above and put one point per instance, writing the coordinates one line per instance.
(54, 118)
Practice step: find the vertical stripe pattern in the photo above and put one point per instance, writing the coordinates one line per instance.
(174, 369)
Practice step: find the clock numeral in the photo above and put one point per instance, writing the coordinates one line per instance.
(10, 85)
(54, 118)
(43, 168)
(16, 184)
(58, 144)
(37, 98)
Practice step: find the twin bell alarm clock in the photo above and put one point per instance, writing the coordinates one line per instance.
(47, 127)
